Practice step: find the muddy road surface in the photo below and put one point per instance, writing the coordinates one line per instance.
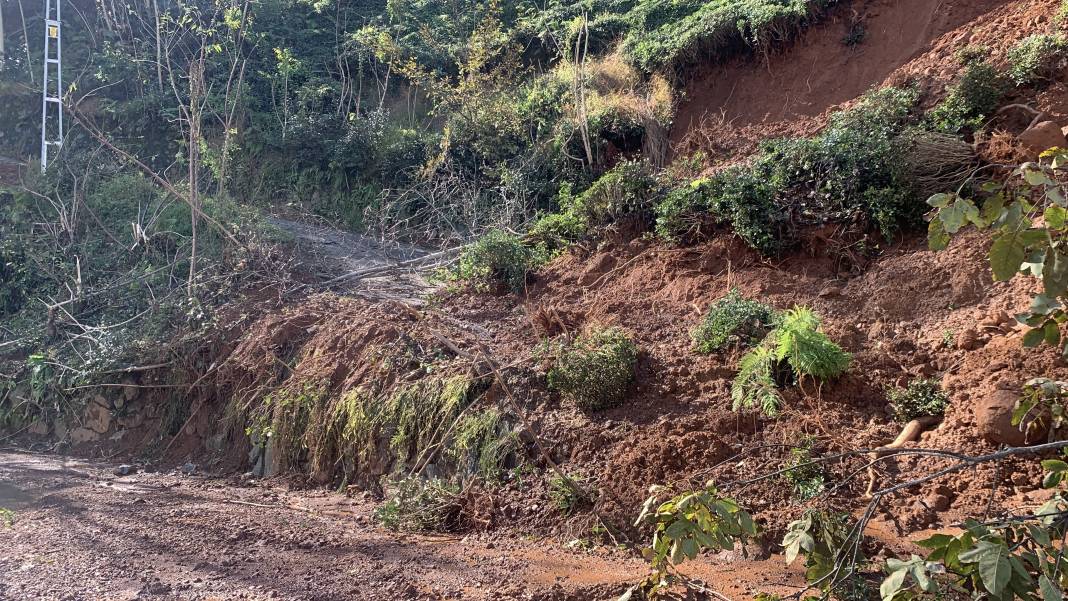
(76, 530)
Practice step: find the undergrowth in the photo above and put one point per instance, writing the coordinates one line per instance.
(733, 321)
(498, 257)
(794, 349)
(971, 101)
(921, 397)
(595, 370)
(1036, 58)
(416, 505)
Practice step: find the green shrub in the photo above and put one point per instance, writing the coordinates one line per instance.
(733, 321)
(416, 505)
(920, 398)
(18, 278)
(1037, 57)
(498, 257)
(628, 189)
(682, 211)
(808, 351)
(596, 369)
(970, 101)
(855, 168)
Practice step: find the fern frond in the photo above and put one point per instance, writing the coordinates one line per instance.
(809, 351)
(754, 386)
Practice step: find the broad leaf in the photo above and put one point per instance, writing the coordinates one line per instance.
(1006, 255)
(994, 567)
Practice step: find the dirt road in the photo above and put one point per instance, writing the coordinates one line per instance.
(82, 532)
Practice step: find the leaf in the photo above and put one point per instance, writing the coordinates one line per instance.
(953, 217)
(1033, 338)
(1050, 591)
(937, 238)
(1051, 333)
(1055, 273)
(994, 567)
(940, 201)
(992, 208)
(1006, 255)
(1055, 217)
(893, 583)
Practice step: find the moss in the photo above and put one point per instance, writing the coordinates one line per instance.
(596, 370)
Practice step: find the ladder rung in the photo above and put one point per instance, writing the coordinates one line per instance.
(54, 61)
(56, 100)
(52, 143)
(52, 22)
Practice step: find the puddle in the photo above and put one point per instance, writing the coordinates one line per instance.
(13, 497)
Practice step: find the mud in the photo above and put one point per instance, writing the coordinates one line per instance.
(82, 533)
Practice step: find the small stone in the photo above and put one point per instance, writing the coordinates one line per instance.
(968, 340)
(124, 470)
(189, 469)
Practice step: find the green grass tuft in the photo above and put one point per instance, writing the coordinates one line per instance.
(733, 321)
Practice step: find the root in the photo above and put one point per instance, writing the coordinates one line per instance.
(909, 433)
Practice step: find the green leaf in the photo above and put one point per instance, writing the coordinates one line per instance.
(1055, 273)
(1051, 333)
(1036, 177)
(1050, 591)
(1033, 338)
(953, 217)
(940, 201)
(1055, 217)
(992, 208)
(937, 238)
(994, 567)
(1006, 255)
(893, 583)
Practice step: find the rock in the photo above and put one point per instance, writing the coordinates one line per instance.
(937, 502)
(124, 470)
(830, 290)
(38, 428)
(968, 340)
(83, 435)
(1042, 136)
(189, 469)
(97, 417)
(993, 419)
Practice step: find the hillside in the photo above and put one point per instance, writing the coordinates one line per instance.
(715, 299)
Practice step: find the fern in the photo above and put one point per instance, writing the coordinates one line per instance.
(808, 351)
(796, 342)
(754, 386)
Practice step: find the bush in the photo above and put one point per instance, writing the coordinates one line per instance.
(628, 189)
(970, 102)
(497, 257)
(1037, 57)
(683, 210)
(417, 505)
(596, 370)
(855, 169)
(920, 398)
(733, 321)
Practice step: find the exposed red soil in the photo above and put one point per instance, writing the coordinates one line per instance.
(729, 108)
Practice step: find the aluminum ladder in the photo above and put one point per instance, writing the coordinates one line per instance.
(52, 86)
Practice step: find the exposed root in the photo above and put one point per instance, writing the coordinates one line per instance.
(909, 433)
